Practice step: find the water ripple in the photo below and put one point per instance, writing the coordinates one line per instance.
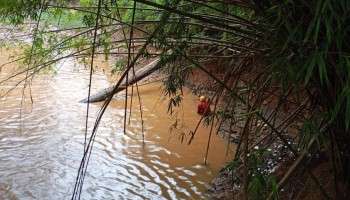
(41, 146)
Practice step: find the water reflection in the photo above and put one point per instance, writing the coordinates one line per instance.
(41, 144)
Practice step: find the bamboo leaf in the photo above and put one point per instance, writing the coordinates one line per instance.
(233, 165)
(310, 69)
(309, 30)
(318, 7)
(329, 29)
(317, 29)
(284, 82)
(322, 68)
(320, 139)
(347, 113)
(170, 107)
(291, 36)
(306, 129)
(345, 93)
(250, 113)
(274, 187)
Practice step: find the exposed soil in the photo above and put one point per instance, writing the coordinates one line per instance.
(300, 185)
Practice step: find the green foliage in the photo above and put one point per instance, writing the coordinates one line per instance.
(303, 49)
(62, 19)
(260, 184)
(173, 102)
(89, 19)
(119, 66)
(87, 3)
(309, 131)
(16, 11)
(176, 80)
(344, 103)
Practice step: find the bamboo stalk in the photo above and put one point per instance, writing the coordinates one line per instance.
(246, 132)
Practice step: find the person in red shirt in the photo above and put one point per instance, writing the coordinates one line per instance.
(203, 106)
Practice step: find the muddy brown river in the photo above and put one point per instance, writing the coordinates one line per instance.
(42, 141)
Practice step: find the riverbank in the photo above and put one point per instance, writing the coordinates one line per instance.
(278, 157)
(299, 184)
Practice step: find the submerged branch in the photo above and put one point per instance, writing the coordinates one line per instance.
(139, 75)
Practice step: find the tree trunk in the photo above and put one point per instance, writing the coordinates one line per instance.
(139, 75)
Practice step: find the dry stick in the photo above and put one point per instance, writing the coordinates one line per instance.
(215, 94)
(131, 101)
(229, 137)
(211, 128)
(131, 41)
(198, 41)
(296, 164)
(6, 36)
(299, 161)
(225, 79)
(291, 117)
(324, 193)
(230, 128)
(227, 76)
(13, 61)
(132, 96)
(339, 158)
(240, 141)
(204, 19)
(259, 115)
(27, 76)
(222, 120)
(137, 88)
(281, 183)
(133, 67)
(333, 164)
(44, 64)
(86, 7)
(29, 62)
(239, 32)
(200, 120)
(90, 79)
(241, 55)
(246, 132)
(231, 124)
(280, 103)
(293, 168)
(81, 174)
(141, 114)
(87, 152)
(223, 12)
(246, 138)
(275, 110)
(129, 57)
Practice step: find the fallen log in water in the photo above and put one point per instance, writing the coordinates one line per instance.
(133, 78)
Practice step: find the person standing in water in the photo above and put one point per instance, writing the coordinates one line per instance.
(203, 106)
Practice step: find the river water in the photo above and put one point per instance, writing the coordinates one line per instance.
(42, 140)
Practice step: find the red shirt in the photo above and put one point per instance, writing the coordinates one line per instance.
(203, 108)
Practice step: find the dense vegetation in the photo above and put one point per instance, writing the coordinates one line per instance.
(271, 58)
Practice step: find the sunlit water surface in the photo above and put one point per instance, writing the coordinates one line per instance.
(41, 142)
